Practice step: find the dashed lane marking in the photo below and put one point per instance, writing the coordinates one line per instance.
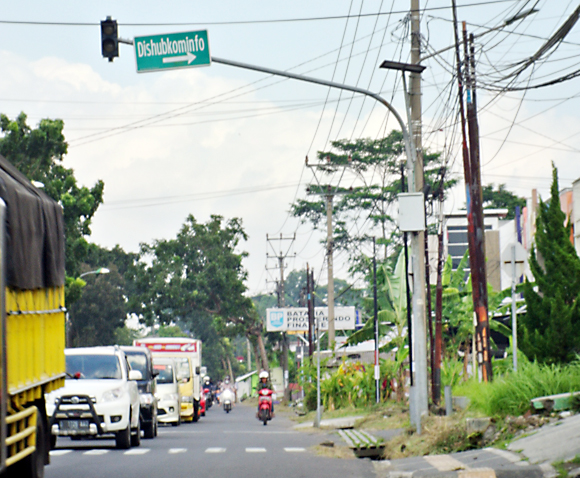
(294, 450)
(255, 450)
(137, 451)
(215, 450)
(59, 452)
(175, 451)
(96, 452)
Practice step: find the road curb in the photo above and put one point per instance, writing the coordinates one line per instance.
(515, 471)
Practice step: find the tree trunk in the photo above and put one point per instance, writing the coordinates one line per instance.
(262, 350)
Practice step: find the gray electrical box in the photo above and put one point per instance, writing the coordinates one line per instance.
(411, 212)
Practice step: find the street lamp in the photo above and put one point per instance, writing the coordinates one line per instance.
(100, 270)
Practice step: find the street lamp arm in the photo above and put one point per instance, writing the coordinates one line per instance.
(331, 84)
(100, 270)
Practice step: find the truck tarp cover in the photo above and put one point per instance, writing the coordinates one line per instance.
(34, 232)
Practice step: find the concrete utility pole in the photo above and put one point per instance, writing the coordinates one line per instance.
(281, 303)
(417, 241)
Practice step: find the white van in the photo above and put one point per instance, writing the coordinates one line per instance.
(167, 393)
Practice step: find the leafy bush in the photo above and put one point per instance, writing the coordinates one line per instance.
(510, 394)
(352, 384)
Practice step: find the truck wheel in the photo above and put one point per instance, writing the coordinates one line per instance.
(123, 438)
(52, 441)
(195, 410)
(136, 435)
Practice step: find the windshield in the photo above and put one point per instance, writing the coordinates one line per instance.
(165, 373)
(138, 362)
(93, 367)
(183, 369)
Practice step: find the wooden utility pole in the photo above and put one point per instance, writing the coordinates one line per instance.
(472, 178)
(477, 263)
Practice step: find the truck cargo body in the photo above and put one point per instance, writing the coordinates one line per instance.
(33, 320)
(187, 353)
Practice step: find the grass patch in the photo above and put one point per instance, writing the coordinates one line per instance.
(510, 394)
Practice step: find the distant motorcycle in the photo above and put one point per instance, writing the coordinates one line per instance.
(208, 398)
(226, 399)
(265, 405)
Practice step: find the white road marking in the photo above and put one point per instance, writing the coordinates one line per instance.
(174, 451)
(255, 450)
(59, 452)
(215, 450)
(96, 452)
(445, 463)
(294, 450)
(137, 451)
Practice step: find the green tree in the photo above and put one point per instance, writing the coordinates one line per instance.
(501, 198)
(371, 202)
(198, 278)
(95, 317)
(550, 330)
(38, 153)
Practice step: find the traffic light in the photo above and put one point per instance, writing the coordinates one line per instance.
(109, 39)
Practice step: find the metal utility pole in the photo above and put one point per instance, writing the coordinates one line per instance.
(330, 264)
(417, 241)
(282, 302)
(309, 295)
(376, 318)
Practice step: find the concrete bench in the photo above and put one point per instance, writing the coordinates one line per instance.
(363, 444)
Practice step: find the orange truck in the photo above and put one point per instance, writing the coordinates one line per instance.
(32, 332)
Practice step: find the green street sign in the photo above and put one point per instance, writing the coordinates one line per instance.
(171, 51)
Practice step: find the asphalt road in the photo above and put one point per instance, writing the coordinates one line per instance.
(235, 443)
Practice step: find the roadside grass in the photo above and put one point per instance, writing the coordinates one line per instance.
(510, 393)
(563, 468)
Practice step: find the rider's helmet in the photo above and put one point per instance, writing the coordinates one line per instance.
(206, 379)
(227, 379)
(263, 376)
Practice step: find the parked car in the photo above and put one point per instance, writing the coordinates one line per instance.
(168, 397)
(140, 359)
(99, 397)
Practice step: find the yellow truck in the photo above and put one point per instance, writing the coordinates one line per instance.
(32, 332)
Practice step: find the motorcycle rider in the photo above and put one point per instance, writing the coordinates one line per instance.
(265, 383)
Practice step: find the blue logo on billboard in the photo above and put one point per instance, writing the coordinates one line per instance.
(276, 318)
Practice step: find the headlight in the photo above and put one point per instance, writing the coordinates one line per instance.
(187, 399)
(112, 395)
(146, 398)
(171, 396)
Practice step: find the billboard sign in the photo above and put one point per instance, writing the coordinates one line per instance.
(295, 319)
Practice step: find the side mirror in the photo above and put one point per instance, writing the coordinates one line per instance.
(135, 375)
(155, 372)
(197, 370)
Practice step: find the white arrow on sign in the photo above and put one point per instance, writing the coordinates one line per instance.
(189, 57)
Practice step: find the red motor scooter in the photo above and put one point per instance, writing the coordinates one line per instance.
(265, 405)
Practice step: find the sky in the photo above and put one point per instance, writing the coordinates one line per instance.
(227, 141)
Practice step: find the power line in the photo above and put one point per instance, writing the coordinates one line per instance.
(248, 22)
